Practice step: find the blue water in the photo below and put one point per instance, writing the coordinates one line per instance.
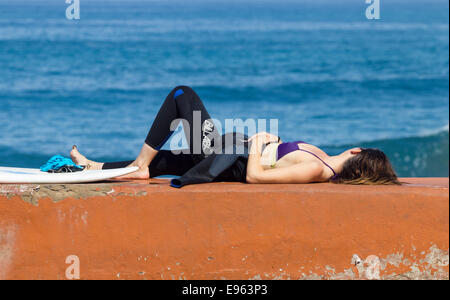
(331, 77)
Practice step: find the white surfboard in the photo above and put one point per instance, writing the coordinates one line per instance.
(20, 175)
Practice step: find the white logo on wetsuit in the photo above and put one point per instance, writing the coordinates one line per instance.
(208, 128)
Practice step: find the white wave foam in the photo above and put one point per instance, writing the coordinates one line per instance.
(430, 132)
(118, 30)
(167, 80)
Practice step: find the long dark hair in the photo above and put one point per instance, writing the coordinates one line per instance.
(370, 166)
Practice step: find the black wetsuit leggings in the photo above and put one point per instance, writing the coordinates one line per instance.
(182, 103)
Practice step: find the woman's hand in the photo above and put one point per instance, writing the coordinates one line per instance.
(264, 138)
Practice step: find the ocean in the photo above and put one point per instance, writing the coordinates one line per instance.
(328, 74)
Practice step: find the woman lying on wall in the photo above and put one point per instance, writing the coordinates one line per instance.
(263, 158)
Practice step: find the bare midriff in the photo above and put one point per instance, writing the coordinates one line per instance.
(269, 156)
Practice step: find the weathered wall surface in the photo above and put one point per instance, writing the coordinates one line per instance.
(137, 230)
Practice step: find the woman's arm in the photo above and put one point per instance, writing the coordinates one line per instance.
(299, 173)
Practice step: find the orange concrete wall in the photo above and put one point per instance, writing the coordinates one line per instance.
(138, 230)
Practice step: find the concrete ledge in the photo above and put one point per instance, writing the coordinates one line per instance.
(147, 230)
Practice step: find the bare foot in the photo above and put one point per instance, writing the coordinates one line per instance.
(142, 162)
(142, 173)
(81, 160)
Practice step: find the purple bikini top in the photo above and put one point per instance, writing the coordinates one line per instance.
(288, 147)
